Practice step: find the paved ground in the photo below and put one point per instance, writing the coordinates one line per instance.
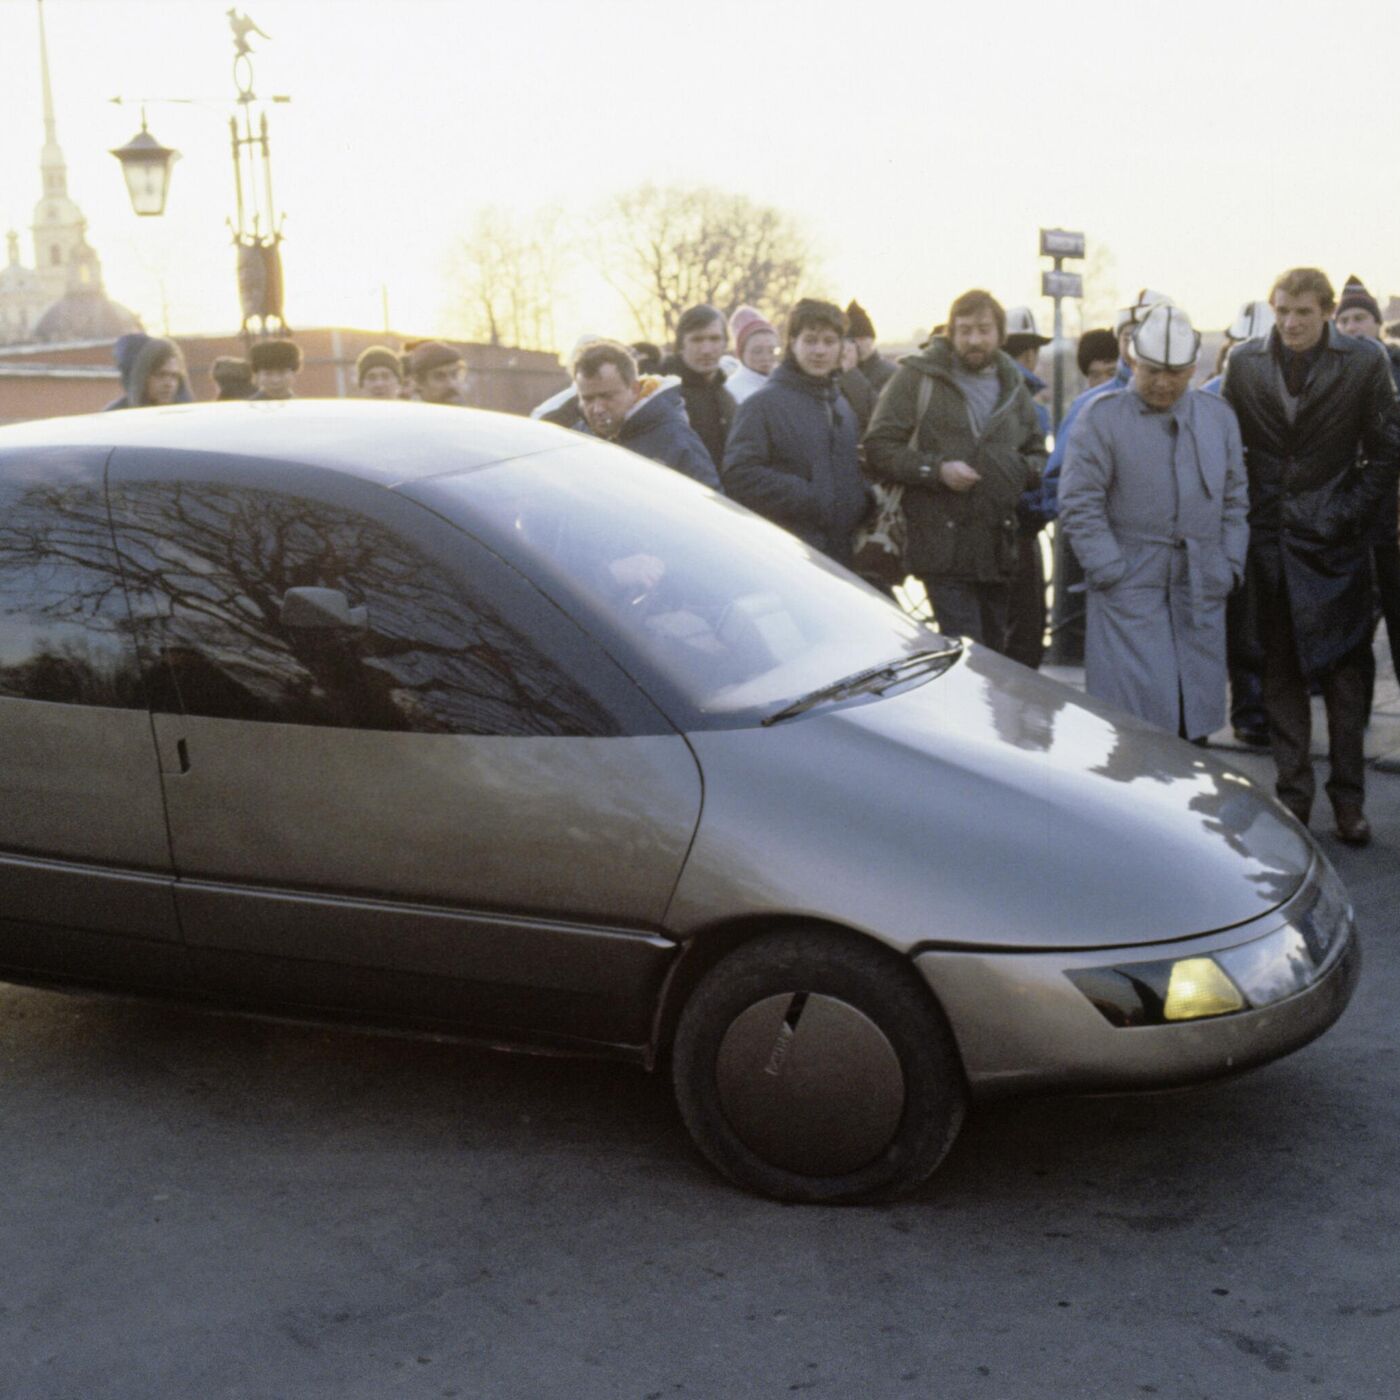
(206, 1208)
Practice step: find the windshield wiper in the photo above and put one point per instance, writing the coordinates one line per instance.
(873, 678)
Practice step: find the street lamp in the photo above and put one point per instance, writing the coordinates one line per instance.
(256, 227)
(146, 166)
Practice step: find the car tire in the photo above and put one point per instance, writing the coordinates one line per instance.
(811, 1066)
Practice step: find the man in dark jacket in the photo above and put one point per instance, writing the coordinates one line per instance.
(701, 335)
(877, 370)
(979, 447)
(643, 413)
(1317, 416)
(793, 454)
(1359, 314)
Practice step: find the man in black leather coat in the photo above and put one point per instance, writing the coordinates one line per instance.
(1317, 413)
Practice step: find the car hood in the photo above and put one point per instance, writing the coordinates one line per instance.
(988, 806)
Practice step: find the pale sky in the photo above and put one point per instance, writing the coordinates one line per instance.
(921, 145)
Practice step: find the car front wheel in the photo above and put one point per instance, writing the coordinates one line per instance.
(811, 1066)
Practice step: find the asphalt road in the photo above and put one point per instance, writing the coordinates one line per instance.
(214, 1209)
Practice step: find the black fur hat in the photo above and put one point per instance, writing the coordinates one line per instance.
(275, 354)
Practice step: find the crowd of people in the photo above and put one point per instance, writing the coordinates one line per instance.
(1237, 539)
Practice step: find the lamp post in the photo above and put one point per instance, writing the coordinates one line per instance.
(256, 228)
(147, 167)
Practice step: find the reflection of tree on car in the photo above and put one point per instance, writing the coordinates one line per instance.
(207, 568)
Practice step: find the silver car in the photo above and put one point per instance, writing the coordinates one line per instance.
(454, 722)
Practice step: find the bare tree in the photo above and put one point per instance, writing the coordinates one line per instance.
(1100, 301)
(665, 249)
(506, 275)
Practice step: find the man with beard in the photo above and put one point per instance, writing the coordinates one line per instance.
(701, 335)
(978, 447)
(1154, 502)
(438, 372)
(640, 412)
(793, 453)
(1317, 414)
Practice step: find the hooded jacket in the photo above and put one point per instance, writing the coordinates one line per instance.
(969, 536)
(1316, 485)
(1050, 484)
(657, 427)
(138, 356)
(708, 404)
(793, 456)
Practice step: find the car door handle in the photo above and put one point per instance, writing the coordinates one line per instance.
(174, 755)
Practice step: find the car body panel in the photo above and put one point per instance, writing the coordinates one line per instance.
(85, 869)
(986, 806)
(1050, 1037)
(383, 442)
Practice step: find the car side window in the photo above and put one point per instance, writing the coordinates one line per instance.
(65, 635)
(208, 566)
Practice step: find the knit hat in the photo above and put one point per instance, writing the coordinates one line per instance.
(1136, 311)
(428, 355)
(859, 319)
(274, 354)
(743, 323)
(233, 376)
(1166, 339)
(1356, 297)
(377, 357)
(1254, 318)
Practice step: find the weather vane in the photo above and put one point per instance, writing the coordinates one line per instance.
(242, 27)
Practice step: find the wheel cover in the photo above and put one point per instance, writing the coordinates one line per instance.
(810, 1083)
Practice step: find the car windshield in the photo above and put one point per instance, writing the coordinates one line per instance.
(734, 615)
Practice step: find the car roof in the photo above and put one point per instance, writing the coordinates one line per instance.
(382, 441)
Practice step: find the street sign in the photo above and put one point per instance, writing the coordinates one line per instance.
(1057, 243)
(1061, 284)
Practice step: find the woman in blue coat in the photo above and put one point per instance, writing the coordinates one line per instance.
(792, 452)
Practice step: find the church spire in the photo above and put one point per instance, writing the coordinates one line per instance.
(51, 163)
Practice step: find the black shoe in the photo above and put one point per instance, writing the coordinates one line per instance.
(1352, 826)
(1251, 737)
(1301, 810)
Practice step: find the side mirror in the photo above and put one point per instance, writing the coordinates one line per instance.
(321, 609)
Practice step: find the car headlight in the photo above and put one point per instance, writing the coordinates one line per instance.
(1251, 975)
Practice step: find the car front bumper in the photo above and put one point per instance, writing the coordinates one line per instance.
(1023, 1025)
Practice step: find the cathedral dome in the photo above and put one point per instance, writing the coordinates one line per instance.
(85, 314)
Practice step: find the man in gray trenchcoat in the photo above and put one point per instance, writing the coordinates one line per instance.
(1154, 499)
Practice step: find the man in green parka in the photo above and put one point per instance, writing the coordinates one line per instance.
(978, 446)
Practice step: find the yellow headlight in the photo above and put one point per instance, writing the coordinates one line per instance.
(1198, 988)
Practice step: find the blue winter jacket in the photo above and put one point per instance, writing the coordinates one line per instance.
(1050, 485)
(659, 428)
(792, 456)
